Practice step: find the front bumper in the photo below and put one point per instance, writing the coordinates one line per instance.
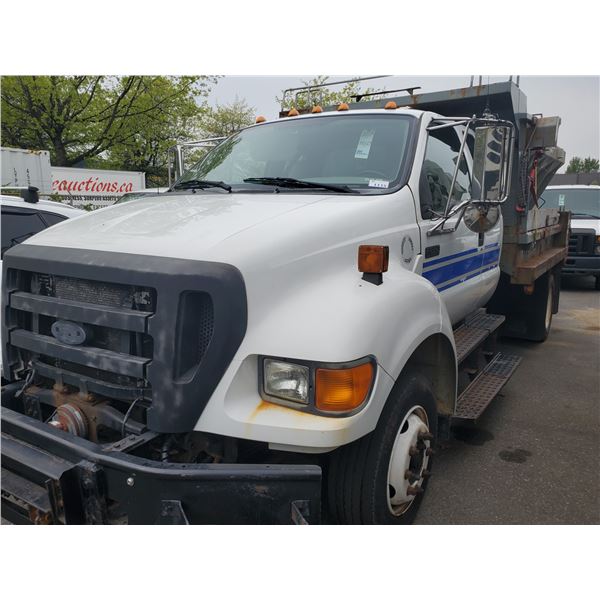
(52, 477)
(581, 265)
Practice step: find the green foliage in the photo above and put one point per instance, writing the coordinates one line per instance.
(322, 96)
(583, 165)
(125, 123)
(120, 122)
(226, 119)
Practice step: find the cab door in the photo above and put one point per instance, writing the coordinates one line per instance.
(462, 264)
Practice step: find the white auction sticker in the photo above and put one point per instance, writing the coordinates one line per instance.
(364, 144)
(379, 183)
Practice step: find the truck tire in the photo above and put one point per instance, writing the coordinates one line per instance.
(540, 313)
(367, 481)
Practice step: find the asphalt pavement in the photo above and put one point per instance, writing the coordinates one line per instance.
(534, 456)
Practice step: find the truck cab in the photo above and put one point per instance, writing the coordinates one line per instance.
(301, 316)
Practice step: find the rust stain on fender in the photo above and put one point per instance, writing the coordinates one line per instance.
(262, 405)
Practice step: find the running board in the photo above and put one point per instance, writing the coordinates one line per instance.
(475, 330)
(486, 386)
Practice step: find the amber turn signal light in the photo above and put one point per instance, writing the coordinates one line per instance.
(343, 390)
(373, 259)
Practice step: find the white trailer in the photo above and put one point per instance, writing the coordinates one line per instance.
(95, 187)
(24, 168)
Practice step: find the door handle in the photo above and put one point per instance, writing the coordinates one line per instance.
(432, 251)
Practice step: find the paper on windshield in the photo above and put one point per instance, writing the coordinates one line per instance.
(364, 144)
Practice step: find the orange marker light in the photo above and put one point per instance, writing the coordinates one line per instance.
(343, 106)
(341, 390)
(316, 109)
(391, 105)
(293, 113)
(373, 259)
(260, 119)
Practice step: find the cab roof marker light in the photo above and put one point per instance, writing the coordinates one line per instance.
(391, 105)
(343, 106)
(293, 112)
(260, 119)
(316, 109)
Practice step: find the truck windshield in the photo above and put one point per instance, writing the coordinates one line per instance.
(360, 151)
(583, 204)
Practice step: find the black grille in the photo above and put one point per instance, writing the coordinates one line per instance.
(41, 299)
(161, 328)
(581, 244)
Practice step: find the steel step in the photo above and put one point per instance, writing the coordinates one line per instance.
(485, 387)
(474, 331)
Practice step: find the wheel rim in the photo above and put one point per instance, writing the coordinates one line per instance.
(548, 318)
(408, 461)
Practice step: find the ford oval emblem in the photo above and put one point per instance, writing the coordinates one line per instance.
(68, 332)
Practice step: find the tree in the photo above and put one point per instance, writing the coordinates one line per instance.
(226, 119)
(322, 96)
(585, 165)
(126, 121)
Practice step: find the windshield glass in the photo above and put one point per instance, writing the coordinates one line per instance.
(581, 202)
(362, 151)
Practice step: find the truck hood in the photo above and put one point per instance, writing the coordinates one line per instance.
(180, 226)
(263, 235)
(585, 224)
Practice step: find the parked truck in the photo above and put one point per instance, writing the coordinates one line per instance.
(583, 202)
(284, 336)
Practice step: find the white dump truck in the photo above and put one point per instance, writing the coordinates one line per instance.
(285, 334)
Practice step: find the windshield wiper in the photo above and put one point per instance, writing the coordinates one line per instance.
(201, 184)
(585, 215)
(290, 182)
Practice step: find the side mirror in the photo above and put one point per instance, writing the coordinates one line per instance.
(30, 194)
(481, 217)
(491, 163)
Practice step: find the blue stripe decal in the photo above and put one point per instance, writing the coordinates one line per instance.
(490, 257)
(436, 261)
(445, 287)
(461, 267)
(453, 270)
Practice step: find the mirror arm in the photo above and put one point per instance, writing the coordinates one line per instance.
(438, 228)
(456, 168)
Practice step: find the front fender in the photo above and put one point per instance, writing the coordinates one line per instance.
(337, 318)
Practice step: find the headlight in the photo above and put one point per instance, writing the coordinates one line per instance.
(333, 388)
(287, 381)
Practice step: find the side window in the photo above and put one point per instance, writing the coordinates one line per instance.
(443, 146)
(18, 225)
(52, 218)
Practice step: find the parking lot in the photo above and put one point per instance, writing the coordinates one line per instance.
(534, 457)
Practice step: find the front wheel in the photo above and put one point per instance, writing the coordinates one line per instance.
(381, 478)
